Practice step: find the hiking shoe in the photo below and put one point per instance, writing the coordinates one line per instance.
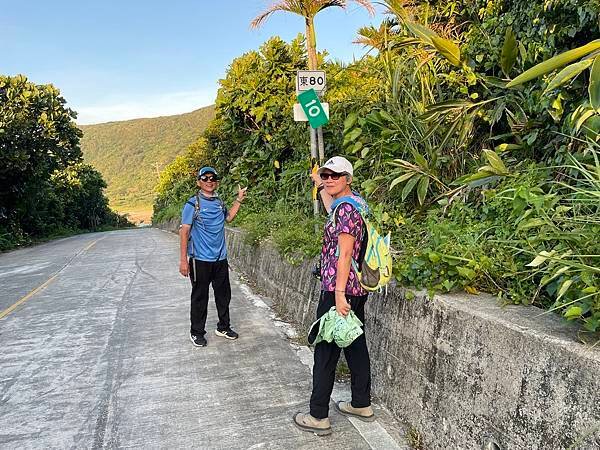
(198, 341)
(227, 334)
(306, 422)
(365, 414)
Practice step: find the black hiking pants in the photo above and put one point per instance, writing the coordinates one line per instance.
(326, 358)
(205, 273)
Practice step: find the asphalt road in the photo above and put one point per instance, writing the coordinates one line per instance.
(95, 353)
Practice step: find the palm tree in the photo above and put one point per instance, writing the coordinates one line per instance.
(307, 9)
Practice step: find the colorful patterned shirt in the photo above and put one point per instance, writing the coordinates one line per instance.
(347, 220)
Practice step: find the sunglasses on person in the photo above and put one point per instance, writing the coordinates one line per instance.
(332, 175)
(207, 178)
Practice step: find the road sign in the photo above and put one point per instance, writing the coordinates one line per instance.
(299, 115)
(309, 101)
(310, 79)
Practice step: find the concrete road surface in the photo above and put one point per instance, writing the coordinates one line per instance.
(95, 353)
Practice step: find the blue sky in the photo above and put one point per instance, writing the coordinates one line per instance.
(144, 58)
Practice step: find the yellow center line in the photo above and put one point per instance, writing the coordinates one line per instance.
(11, 308)
(90, 246)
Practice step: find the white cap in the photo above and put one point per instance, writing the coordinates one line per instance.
(337, 164)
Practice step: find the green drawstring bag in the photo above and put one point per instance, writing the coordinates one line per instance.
(332, 327)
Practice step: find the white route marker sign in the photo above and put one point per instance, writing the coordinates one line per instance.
(310, 79)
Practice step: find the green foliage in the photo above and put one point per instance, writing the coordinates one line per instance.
(474, 179)
(79, 191)
(45, 188)
(177, 182)
(254, 126)
(37, 137)
(130, 154)
(291, 231)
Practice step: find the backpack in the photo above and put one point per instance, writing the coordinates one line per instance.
(196, 215)
(196, 206)
(374, 264)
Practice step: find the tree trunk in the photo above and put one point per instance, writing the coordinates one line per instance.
(311, 44)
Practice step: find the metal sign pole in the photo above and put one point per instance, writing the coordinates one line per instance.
(313, 162)
(309, 84)
(321, 145)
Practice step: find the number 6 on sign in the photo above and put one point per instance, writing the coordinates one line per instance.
(309, 101)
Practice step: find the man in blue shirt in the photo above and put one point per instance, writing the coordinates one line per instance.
(203, 254)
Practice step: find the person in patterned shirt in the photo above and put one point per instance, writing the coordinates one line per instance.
(340, 287)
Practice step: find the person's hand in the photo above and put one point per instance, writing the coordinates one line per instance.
(184, 268)
(241, 193)
(316, 178)
(341, 304)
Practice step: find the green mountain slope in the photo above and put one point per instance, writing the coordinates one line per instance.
(130, 154)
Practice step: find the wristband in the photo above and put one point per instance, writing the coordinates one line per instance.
(320, 188)
(339, 290)
(239, 201)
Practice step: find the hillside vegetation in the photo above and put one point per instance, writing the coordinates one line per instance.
(130, 154)
(473, 127)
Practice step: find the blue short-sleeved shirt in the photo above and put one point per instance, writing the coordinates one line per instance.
(207, 241)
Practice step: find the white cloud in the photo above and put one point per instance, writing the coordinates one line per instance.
(166, 104)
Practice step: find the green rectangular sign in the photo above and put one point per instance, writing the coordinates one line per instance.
(312, 108)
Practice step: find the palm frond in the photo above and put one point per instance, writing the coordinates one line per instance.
(305, 8)
(291, 6)
(367, 5)
(378, 38)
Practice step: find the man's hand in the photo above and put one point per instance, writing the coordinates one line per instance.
(184, 268)
(341, 304)
(241, 193)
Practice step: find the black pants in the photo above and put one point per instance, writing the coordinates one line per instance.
(206, 273)
(326, 358)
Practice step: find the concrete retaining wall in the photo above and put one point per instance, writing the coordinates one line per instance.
(463, 371)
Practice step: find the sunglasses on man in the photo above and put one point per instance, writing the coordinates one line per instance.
(207, 178)
(332, 175)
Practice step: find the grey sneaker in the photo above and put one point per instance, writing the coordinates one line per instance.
(306, 422)
(198, 341)
(227, 334)
(365, 414)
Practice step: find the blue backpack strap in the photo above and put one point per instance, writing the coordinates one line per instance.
(196, 205)
(223, 207)
(362, 208)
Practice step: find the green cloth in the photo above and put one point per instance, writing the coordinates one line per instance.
(333, 327)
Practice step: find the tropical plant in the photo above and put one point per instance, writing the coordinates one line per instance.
(576, 61)
(567, 261)
(308, 9)
(475, 179)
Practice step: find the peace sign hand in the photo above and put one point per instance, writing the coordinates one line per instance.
(241, 193)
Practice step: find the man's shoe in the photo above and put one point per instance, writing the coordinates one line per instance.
(227, 334)
(306, 422)
(198, 341)
(366, 414)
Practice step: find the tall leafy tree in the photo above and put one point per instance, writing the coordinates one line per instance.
(37, 137)
(308, 9)
(254, 127)
(79, 189)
